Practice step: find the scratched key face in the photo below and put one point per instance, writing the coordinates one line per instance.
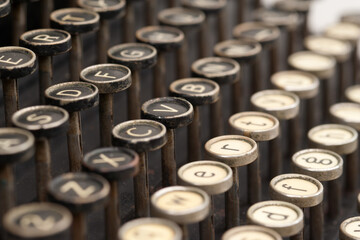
(15, 56)
(40, 117)
(151, 231)
(180, 201)
(296, 186)
(73, 15)
(71, 91)
(106, 73)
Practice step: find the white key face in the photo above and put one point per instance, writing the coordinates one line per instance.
(275, 215)
(312, 62)
(251, 235)
(317, 160)
(231, 147)
(150, 232)
(332, 136)
(254, 123)
(354, 94)
(179, 201)
(296, 186)
(348, 113)
(353, 229)
(344, 31)
(205, 174)
(274, 101)
(293, 82)
(328, 45)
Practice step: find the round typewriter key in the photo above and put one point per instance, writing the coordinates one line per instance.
(323, 67)
(16, 145)
(73, 97)
(75, 21)
(305, 192)
(44, 122)
(284, 106)
(324, 165)
(183, 205)
(114, 164)
(81, 193)
(235, 151)
(285, 218)
(199, 92)
(223, 71)
(109, 79)
(107, 9)
(164, 39)
(246, 52)
(136, 56)
(15, 62)
(346, 113)
(173, 113)
(142, 136)
(212, 177)
(210, 8)
(150, 228)
(342, 140)
(186, 20)
(349, 229)
(46, 43)
(5, 8)
(260, 127)
(352, 93)
(251, 231)
(38, 221)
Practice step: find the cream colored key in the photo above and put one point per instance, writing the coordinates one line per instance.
(352, 93)
(251, 232)
(349, 229)
(346, 113)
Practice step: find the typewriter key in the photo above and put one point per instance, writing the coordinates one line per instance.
(342, 140)
(44, 122)
(80, 193)
(150, 228)
(347, 31)
(284, 106)
(173, 113)
(210, 8)
(5, 8)
(142, 136)
(136, 56)
(251, 231)
(46, 43)
(338, 49)
(223, 71)
(323, 67)
(212, 177)
(73, 97)
(346, 113)
(326, 166)
(187, 20)
(183, 205)
(246, 52)
(199, 92)
(109, 79)
(75, 21)
(259, 127)
(352, 93)
(115, 164)
(15, 62)
(38, 221)
(285, 218)
(349, 229)
(164, 39)
(305, 192)
(235, 151)
(107, 9)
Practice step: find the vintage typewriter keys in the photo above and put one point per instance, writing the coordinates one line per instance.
(163, 39)
(349, 229)
(107, 9)
(326, 166)
(343, 140)
(251, 231)
(80, 193)
(75, 21)
(15, 62)
(305, 192)
(235, 151)
(352, 93)
(150, 228)
(173, 113)
(136, 56)
(109, 79)
(223, 71)
(260, 127)
(183, 205)
(46, 43)
(212, 177)
(199, 92)
(38, 221)
(73, 97)
(44, 122)
(115, 164)
(285, 218)
(142, 136)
